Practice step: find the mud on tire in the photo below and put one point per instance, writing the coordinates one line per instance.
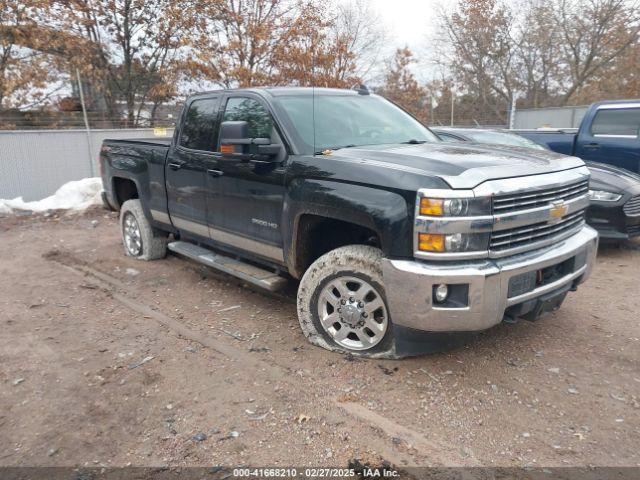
(153, 243)
(354, 274)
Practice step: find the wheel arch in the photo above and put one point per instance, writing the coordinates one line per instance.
(124, 188)
(323, 215)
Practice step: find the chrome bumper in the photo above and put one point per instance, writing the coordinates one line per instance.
(409, 285)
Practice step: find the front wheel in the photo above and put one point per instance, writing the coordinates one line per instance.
(140, 239)
(342, 304)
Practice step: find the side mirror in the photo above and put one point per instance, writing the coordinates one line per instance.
(234, 133)
(235, 141)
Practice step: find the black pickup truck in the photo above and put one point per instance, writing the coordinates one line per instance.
(400, 242)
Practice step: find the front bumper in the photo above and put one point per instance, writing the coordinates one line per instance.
(409, 285)
(611, 221)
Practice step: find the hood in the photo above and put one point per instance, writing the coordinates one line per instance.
(460, 165)
(612, 179)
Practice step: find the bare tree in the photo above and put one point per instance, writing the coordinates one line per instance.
(537, 51)
(25, 71)
(401, 87)
(479, 33)
(133, 44)
(546, 52)
(360, 28)
(593, 33)
(273, 42)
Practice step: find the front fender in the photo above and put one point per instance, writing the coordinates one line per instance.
(389, 214)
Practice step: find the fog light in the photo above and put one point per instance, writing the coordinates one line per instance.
(441, 292)
(454, 242)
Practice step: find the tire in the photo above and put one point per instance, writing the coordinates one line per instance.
(350, 279)
(149, 243)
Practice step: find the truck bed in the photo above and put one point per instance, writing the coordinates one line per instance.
(153, 141)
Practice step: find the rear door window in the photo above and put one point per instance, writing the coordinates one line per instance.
(199, 129)
(617, 122)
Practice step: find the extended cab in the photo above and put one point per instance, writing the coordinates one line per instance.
(400, 241)
(609, 133)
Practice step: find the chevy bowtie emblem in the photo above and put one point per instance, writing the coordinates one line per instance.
(558, 210)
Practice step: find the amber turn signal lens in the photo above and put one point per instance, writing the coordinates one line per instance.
(430, 242)
(226, 148)
(431, 206)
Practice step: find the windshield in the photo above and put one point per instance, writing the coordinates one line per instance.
(351, 121)
(502, 138)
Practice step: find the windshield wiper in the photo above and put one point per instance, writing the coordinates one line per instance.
(322, 152)
(413, 141)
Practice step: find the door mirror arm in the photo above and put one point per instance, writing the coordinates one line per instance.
(271, 149)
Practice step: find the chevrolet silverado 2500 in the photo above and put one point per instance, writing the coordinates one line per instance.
(400, 241)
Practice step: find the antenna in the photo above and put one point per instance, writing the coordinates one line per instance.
(363, 90)
(313, 96)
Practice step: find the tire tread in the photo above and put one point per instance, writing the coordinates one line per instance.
(154, 242)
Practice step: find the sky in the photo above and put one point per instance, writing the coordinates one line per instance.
(410, 23)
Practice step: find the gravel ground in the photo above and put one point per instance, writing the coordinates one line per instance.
(108, 361)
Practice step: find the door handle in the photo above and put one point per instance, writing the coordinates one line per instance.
(592, 145)
(176, 165)
(215, 173)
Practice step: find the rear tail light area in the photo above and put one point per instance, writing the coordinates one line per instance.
(103, 151)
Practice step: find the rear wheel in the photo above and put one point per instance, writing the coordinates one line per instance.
(140, 239)
(342, 304)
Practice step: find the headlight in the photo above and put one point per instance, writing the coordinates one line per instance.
(452, 223)
(604, 196)
(454, 207)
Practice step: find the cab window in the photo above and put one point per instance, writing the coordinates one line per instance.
(252, 112)
(199, 126)
(617, 121)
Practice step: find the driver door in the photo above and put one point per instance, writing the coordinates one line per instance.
(245, 200)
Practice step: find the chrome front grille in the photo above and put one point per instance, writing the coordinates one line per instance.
(632, 207)
(529, 236)
(529, 212)
(514, 202)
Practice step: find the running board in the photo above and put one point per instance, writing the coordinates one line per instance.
(249, 273)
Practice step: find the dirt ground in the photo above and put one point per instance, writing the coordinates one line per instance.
(108, 361)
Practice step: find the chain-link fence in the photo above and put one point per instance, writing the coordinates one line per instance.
(464, 111)
(54, 119)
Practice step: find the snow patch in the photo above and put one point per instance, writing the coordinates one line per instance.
(77, 195)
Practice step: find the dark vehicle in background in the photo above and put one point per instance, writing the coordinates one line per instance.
(401, 242)
(614, 192)
(609, 133)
